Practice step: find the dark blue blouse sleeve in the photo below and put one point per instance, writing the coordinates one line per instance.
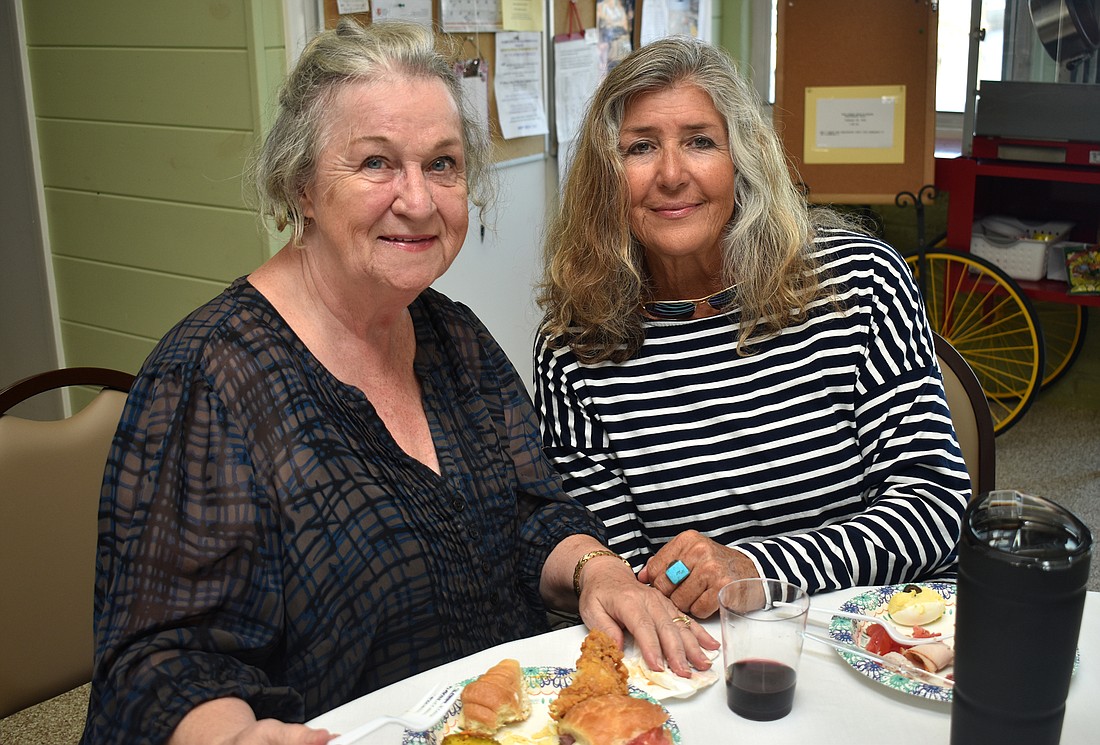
(188, 607)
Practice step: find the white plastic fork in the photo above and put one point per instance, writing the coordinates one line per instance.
(421, 716)
(907, 669)
(900, 638)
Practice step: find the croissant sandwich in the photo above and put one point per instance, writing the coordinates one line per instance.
(495, 699)
(614, 719)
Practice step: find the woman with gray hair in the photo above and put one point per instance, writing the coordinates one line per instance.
(738, 385)
(328, 478)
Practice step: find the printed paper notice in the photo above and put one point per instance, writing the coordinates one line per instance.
(418, 11)
(855, 124)
(471, 15)
(521, 15)
(476, 90)
(346, 7)
(661, 18)
(518, 84)
(576, 75)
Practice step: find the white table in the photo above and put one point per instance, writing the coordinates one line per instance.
(833, 703)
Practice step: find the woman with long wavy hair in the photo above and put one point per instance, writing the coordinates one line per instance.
(738, 384)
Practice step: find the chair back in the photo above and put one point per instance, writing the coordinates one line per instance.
(51, 473)
(971, 416)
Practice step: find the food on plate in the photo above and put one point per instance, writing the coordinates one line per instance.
(614, 719)
(931, 657)
(496, 698)
(915, 606)
(469, 738)
(600, 671)
(879, 640)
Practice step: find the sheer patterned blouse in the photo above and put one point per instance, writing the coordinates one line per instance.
(262, 536)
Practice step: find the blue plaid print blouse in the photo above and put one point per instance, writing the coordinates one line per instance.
(262, 536)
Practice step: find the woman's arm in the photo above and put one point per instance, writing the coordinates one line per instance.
(230, 721)
(184, 590)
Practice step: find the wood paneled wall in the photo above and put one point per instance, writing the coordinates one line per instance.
(145, 112)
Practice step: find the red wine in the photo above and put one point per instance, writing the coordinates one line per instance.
(760, 689)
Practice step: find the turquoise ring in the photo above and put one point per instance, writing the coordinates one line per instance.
(677, 572)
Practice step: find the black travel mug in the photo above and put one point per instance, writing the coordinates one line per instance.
(1023, 574)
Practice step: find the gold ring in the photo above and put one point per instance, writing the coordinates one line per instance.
(682, 619)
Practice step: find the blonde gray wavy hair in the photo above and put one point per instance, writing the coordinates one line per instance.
(286, 162)
(594, 267)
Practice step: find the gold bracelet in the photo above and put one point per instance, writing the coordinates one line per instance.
(584, 560)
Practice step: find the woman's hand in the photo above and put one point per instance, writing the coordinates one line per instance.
(712, 567)
(230, 721)
(274, 732)
(613, 599)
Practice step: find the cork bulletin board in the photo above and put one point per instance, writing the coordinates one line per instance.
(485, 45)
(855, 94)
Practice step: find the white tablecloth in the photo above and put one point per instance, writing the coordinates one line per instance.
(833, 703)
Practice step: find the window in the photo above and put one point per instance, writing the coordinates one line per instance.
(953, 45)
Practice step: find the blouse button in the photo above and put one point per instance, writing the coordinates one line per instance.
(459, 504)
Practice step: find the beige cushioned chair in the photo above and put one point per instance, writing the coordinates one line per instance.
(50, 478)
(970, 415)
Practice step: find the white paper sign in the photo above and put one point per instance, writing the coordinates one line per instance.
(418, 11)
(344, 7)
(471, 15)
(855, 122)
(475, 89)
(576, 75)
(662, 18)
(518, 84)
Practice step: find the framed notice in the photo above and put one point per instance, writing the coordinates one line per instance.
(855, 92)
(855, 124)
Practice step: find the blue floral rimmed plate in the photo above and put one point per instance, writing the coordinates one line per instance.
(873, 603)
(543, 685)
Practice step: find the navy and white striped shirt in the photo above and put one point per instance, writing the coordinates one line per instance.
(827, 455)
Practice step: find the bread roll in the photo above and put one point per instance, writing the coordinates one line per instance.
(614, 719)
(495, 699)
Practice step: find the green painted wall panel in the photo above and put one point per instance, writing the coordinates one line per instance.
(188, 165)
(272, 19)
(173, 23)
(206, 242)
(131, 301)
(146, 111)
(188, 87)
(95, 347)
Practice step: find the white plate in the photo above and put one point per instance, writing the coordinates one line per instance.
(873, 603)
(543, 685)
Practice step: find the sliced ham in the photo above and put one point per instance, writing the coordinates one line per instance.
(931, 657)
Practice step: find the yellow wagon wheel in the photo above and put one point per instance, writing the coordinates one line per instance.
(983, 313)
(1064, 326)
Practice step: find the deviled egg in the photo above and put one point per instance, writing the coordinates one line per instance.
(915, 606)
